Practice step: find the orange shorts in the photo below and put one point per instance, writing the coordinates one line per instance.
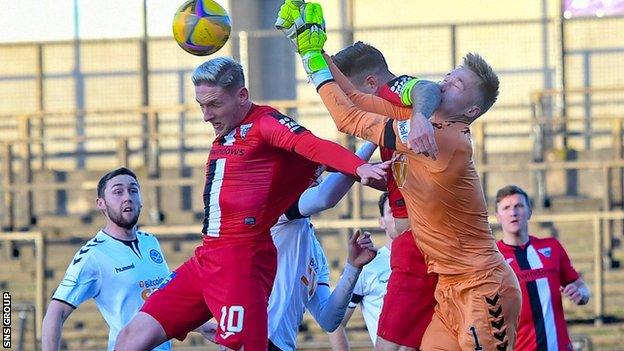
(476, 311)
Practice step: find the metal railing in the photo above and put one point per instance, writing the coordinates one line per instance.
(40, 265)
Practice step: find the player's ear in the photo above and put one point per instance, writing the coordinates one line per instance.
(242, 95)
(473, 112)
(371, 82)
(382, 223)
(99, 202)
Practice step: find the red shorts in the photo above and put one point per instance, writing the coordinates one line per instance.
(231, 283)
(409, 302)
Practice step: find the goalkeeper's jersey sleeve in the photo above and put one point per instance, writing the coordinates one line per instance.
(119, 275)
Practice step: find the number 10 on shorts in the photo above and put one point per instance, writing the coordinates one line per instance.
(234, 316)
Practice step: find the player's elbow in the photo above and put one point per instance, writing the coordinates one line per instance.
(328, 321)
(329, 325)
(326, 202)
(428, 89)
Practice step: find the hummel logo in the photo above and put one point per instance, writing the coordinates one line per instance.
(125, 268)
(76, 260)
(83, 251)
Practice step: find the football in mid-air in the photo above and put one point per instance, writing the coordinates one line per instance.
(201, 27)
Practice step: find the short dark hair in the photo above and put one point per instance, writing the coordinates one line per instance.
(360, 59)
(110, 175)
(511, 190)
(382, 202)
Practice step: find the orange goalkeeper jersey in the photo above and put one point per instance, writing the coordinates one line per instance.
(445, 200)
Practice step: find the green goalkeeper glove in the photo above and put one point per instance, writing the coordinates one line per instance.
(304, 24)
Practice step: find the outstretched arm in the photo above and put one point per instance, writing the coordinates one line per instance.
(366, 102)
(331, 190)
(337, 157)
(366, 125)
(283, 132)
(424, 96)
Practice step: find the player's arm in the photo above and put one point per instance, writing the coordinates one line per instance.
(573, 286)
(81, 282)
(369, 126)
(283, 132)
(329, 308)
(363, 101)
(329, 192)
(208, 330)
(338, 339)
(309, 38)
(424, 96)
(577, 292)
(52, 327)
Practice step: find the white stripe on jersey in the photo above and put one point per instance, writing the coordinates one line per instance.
(543, 290)
(214, 217)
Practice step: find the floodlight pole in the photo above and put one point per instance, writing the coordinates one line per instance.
(144, 79)
(563, 109)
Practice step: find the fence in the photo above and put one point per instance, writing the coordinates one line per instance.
(39, 303)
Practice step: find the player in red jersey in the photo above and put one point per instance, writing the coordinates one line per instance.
(402, 322)
(260, 163)
(544, 271)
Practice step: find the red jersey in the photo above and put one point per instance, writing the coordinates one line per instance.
(260, 168)
(542, 266)
(391, 91)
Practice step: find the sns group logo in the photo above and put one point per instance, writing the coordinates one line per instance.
(149, 286)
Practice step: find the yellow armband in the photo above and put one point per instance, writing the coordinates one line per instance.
(406, 98)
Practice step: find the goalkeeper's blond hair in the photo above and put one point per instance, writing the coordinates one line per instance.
(488, 80)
